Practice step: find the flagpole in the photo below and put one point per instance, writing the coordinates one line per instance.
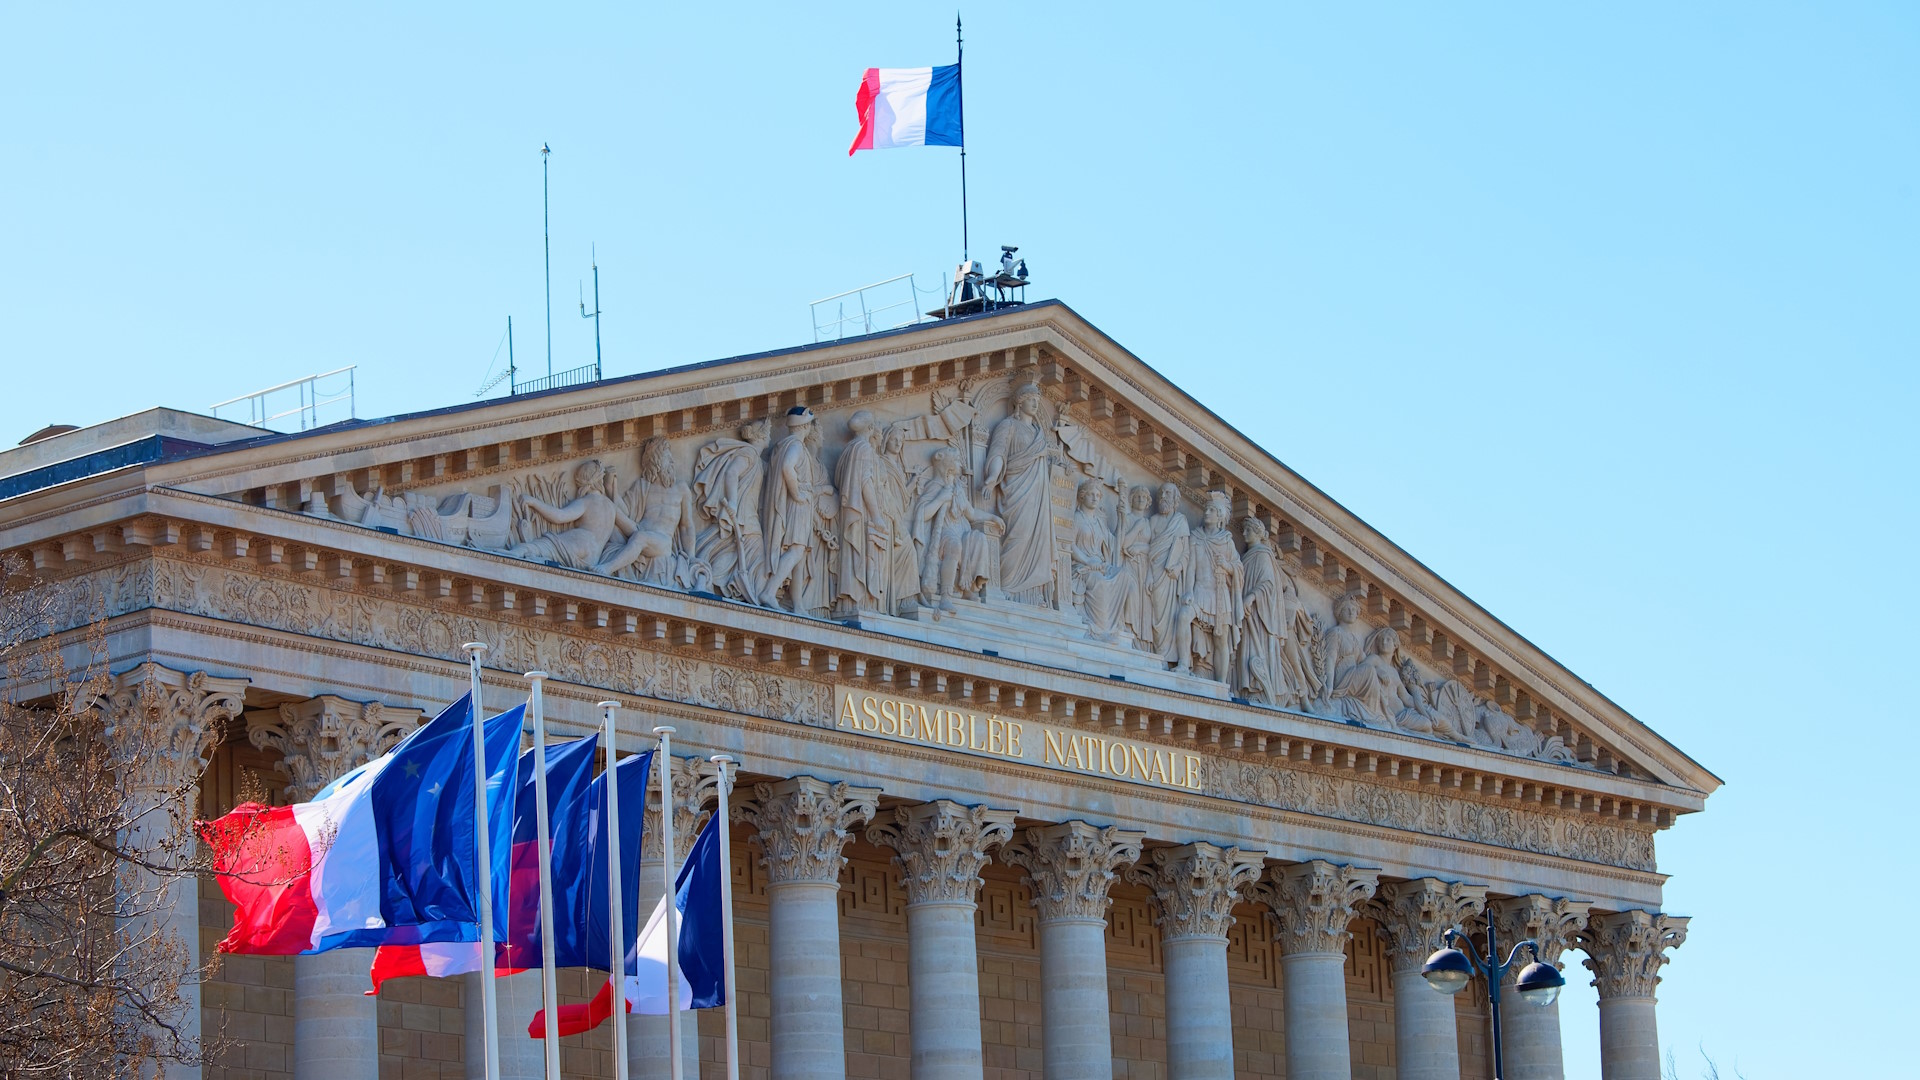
(664, 765)
(616, 897)
(549, 983)
(959, 56)
(722, 761)
(483, 855)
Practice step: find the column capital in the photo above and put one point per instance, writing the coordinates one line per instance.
(1626, 950)
(1413, 914)
(324, 737)
(803, 825)
(942, 845)
(177, 716)
(1315, 900)
(1551, 921)
(1069, 866)
(694, 784)
(1197, 885)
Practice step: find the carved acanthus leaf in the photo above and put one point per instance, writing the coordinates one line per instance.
(1626, 950)
(1413, 916)
(1315, 901)
(322, 738)
(1070, 866)
(1197, 886)
(1550, 921)
(803, 826)
(942, 845)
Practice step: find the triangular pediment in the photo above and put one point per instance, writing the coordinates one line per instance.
(993, 503)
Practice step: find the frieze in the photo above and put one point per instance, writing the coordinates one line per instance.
(310, 609)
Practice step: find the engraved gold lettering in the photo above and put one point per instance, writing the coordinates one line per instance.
(1158, 773)
(996, 736)
(1050, 752)
(1136, 763)
(1193, 773)
(974, 741)
(1013, 739)
(847, 717)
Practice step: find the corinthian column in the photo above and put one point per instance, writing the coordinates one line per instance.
(1531, 1033)
(1625, 952)
(1315, 901)
(1197, 886)
(166, 722)
(942, 847)
(336, 1027)
(1069, 868)
(648, 1037)
(1412, 916)
(803, 826)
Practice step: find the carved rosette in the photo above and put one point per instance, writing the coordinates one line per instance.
(322, 738)
(1626, 950)
(180, 716)
(942, 845)
(1550, 921)
(694, 784)
(1414, 914)
(1070, 866)
(803, 825)
(1197, 886)
(1315, 900)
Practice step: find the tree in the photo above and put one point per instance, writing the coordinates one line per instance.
(97, 801)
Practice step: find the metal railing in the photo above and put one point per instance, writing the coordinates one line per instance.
(573, 377)
(870, 313)
(305, 396)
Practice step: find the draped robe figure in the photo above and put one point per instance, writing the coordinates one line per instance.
(1136, 547)
(865, 557)
(1340, 648)
(727, 479)
(1208, 623)
(897, 492)
(1371, 691)
(1019, 472)
(797, 513)
(952, 536)
(1169, 569)
(1264, 675)
(1107, 595)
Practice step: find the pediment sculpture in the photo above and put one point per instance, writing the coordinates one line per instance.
(993, 493)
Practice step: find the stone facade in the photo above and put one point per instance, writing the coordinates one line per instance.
(1049, 689)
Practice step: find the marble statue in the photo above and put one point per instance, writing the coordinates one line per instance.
(1370, 691)
(898, 490)
(1018, 476)
(1340, 648)
(952, 535)
(1275, 667)
(864, 560)
(659, 548)
(798, 513)
(1214, 602)
(1136, 546)
(727, 479)
(594, 521)
(1106, 594)
(1169, 570)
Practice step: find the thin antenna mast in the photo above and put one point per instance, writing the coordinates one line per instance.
(595, 316)
(959, 58)
(546, 241)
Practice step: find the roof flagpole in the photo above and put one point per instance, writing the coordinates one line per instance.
(959, 56)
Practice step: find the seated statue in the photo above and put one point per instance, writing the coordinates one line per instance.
(595, 519)
(952, 536)
(1104, 590)
(1371, 691)
(661, 543)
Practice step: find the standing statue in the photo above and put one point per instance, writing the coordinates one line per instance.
(952, 535)
(897, 492)
(1275, 669)
(595, 517)
(1213, 602)
(865, 559)
(798, 513)
(727, 479)
(1136, 547)
(1018, 475)
(1169, 571)
(1371, 691)
(1340, 647)
(1106, 594)
(661, 544)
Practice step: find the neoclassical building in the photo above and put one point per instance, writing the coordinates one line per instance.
(1079, 736)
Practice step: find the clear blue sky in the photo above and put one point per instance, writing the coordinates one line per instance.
(1610, 317)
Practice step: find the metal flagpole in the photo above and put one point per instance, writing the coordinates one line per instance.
(490, 1001)
(616, 894)
(546, 242)
(664, 765)
(722, 761)
(959, 57)
(549, 984)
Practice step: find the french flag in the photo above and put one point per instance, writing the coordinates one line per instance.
(908, 107)
(384, 853)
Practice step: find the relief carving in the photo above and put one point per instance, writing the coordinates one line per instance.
(1070, 867)
(954, 539)
(1105, 590)
(1207, 627)
(1019, 480)
(1276, 659)
(798, 515)
(728, 478)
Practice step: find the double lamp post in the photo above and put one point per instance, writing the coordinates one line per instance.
(1449, 970)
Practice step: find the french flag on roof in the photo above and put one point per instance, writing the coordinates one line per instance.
(908, 107)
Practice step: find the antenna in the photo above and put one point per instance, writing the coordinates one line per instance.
(546, 241)
(505, 376)
(595, 315)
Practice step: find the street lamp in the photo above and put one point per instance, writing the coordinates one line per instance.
(1449, 970)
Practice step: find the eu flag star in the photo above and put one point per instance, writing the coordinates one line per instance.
(434, 790)
(412, 768)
